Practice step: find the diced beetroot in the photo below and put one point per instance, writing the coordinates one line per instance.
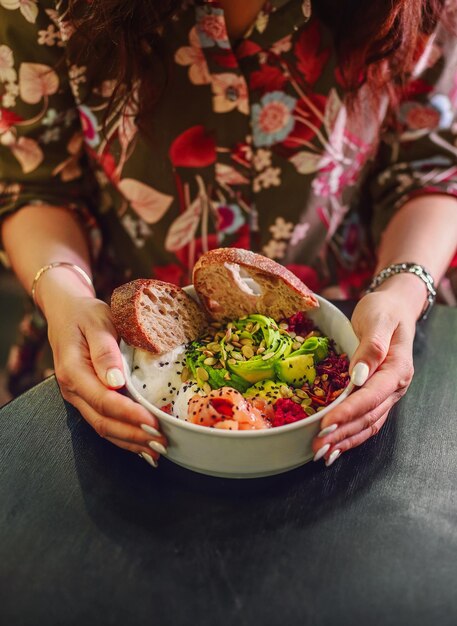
(336, 366)
(287, 411)
(300, 324)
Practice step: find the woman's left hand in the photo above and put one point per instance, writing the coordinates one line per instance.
(382, 366)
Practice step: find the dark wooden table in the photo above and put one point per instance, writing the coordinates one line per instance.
(93, 535)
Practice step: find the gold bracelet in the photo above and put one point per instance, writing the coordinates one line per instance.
(50, 266)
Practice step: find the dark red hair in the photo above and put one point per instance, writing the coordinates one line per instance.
(376, 40)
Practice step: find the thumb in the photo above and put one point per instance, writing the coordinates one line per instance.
(375, 337)
(106, 358)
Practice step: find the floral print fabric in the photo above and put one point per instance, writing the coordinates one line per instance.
(251, 145)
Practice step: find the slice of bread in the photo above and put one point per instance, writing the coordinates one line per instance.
(155, 316)
(276, 292)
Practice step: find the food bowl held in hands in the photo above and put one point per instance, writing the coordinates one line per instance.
(248, 454)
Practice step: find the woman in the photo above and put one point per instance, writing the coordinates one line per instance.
(301, 130)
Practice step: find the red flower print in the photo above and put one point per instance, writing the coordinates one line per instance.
(307, 275)
(213, 26)
(8, 119)
(247, 48)
(172, 273)
(195, 147)
(415, 88)
(306, 120)
(225, 59)
(352, 283)
(310, 61)
(417, 117)
(268, 78)
(242, 154)
(109, 164)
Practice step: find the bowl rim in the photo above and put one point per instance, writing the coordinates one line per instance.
(127, 350)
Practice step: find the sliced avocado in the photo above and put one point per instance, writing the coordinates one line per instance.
(259, 367)
(318, 346)
(251, 371)
(295, 370)
(266, 389)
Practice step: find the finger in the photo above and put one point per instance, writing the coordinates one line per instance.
(353, 428)
(131, 447)
(114, 429)
(334, 452)
(84, 383)
(392, 378)
(375, 334)
(105, 355)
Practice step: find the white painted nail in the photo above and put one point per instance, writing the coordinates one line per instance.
(158, 447)
(332, 458)
(321, 452)
(150, 430)
(326, 431)
(360, 374)
(148, 458)
(115, 378)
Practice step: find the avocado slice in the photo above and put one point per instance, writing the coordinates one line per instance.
(295, 370)
(260, 368)
(317, 346)
(266, 389)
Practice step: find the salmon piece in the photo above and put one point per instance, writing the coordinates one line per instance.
(224, 408)
(227, 425)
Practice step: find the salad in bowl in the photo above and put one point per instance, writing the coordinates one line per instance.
(236, 395)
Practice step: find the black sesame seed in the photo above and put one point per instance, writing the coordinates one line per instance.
(144, 386)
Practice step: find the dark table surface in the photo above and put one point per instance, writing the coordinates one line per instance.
(92, 535)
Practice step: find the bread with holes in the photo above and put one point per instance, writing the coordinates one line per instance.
(276, 292)
(155, 316)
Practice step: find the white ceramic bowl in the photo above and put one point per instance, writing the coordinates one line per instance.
(248, 454)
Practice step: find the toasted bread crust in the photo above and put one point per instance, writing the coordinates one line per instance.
(143, 320)
(284, 293)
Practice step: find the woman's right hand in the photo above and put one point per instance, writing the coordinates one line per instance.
(88, 368)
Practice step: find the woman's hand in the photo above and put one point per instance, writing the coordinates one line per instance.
(382, 367)
(88, 368)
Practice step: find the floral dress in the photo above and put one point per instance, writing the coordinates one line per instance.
(251, 145)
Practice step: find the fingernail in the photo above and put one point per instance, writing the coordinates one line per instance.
(332, 458)
(321, 452)
(115, 378)
(150, 430)
(326, 431)
(148, 458)
(360, 374)
(158, 447)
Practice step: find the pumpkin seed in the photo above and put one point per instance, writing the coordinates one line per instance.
(247, 351)
(202, 374)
